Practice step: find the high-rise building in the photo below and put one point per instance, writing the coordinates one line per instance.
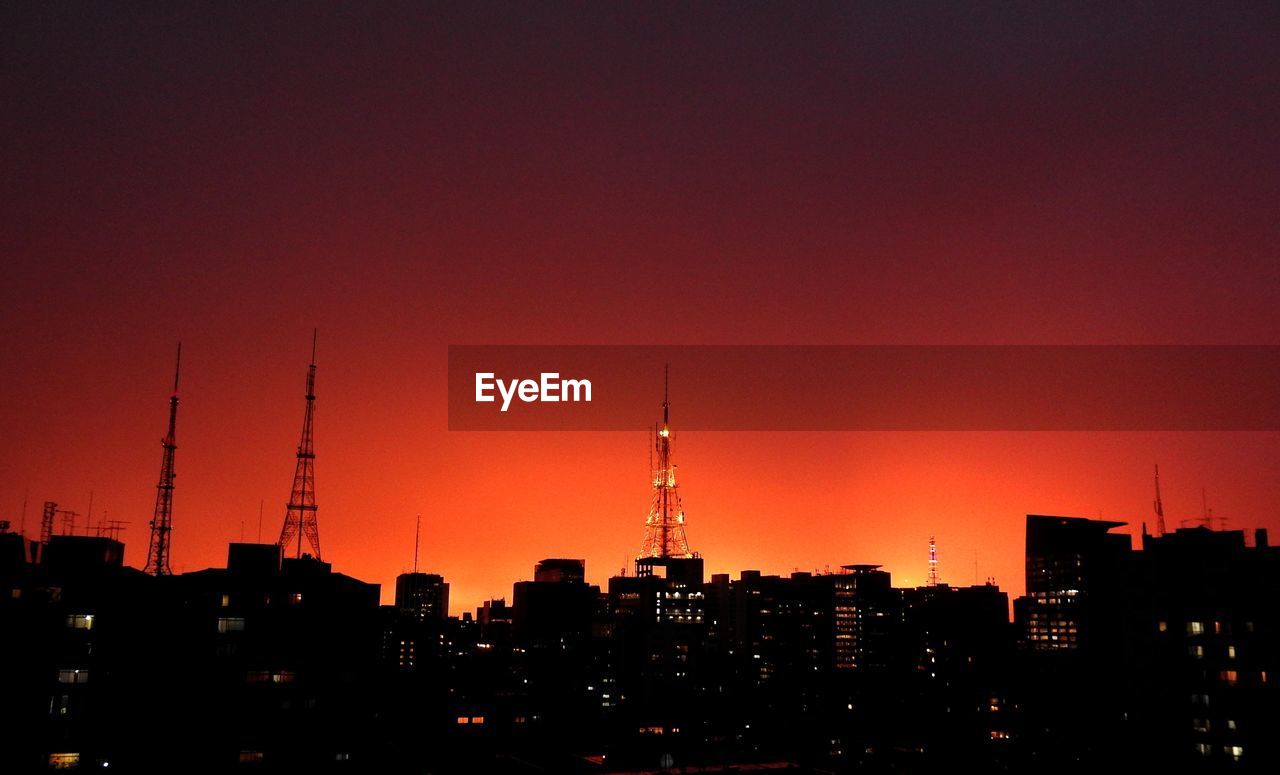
(422, 596)
(1075, 570)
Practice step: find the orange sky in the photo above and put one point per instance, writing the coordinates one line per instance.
(425, 176)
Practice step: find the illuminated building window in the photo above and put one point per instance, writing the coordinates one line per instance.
(1196, 651)
(225, 601)
(80, 621)
(283, 677)
(250, 757)
(295, 598)
(1228, 676)
(1231, 724)
(1162, 626)
(464, 719)
(1235, 751)
(230, 624)
(73, 676)
(63, 761)
(1231, 652)
(477, 720)
(1204, 749)
(1200, 724)
(60, 705)
(1195, 628)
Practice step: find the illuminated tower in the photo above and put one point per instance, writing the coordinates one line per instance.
(933, 562)
(664, 529)
(162, 518)
(300, 519)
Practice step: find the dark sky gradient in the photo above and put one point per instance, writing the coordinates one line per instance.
(423, 174)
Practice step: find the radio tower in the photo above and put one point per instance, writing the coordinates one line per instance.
(933, 562)
(162, 518)
(300, 519)
(664, 529)
(1159, 505)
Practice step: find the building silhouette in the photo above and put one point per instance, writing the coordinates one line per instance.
(1165, 654)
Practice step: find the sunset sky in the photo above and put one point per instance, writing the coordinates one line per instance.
(435, 174)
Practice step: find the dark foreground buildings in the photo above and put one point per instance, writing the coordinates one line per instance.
(1165, 656)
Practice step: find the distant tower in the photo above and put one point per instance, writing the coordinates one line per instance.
(664, 529)
(162, 517)
(933, 562)
(300, 519)
(46, 521)
(1159, 505)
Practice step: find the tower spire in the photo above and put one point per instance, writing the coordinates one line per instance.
(666, 393)
(664, 534)
(162, 517)
(933, 562)
(1159, 505)
(300, 518)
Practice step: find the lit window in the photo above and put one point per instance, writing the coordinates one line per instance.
(63, 761)
(60, 705)
(295, 598)
(1231, 652)
(249, 757)
(1204, 748)
(230, 624)
(1162, 626)
(1196, 651)
(226, 601)
(464, 719)
(1235, 751)
(73, 676)
(1228, 676)
(1195, 628)
(80, 621)
(477, 719)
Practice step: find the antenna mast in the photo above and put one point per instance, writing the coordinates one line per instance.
(162, 517)
(300, 517)
(417, 531)
(1159, 505)
(933, 562)
(664, 534)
